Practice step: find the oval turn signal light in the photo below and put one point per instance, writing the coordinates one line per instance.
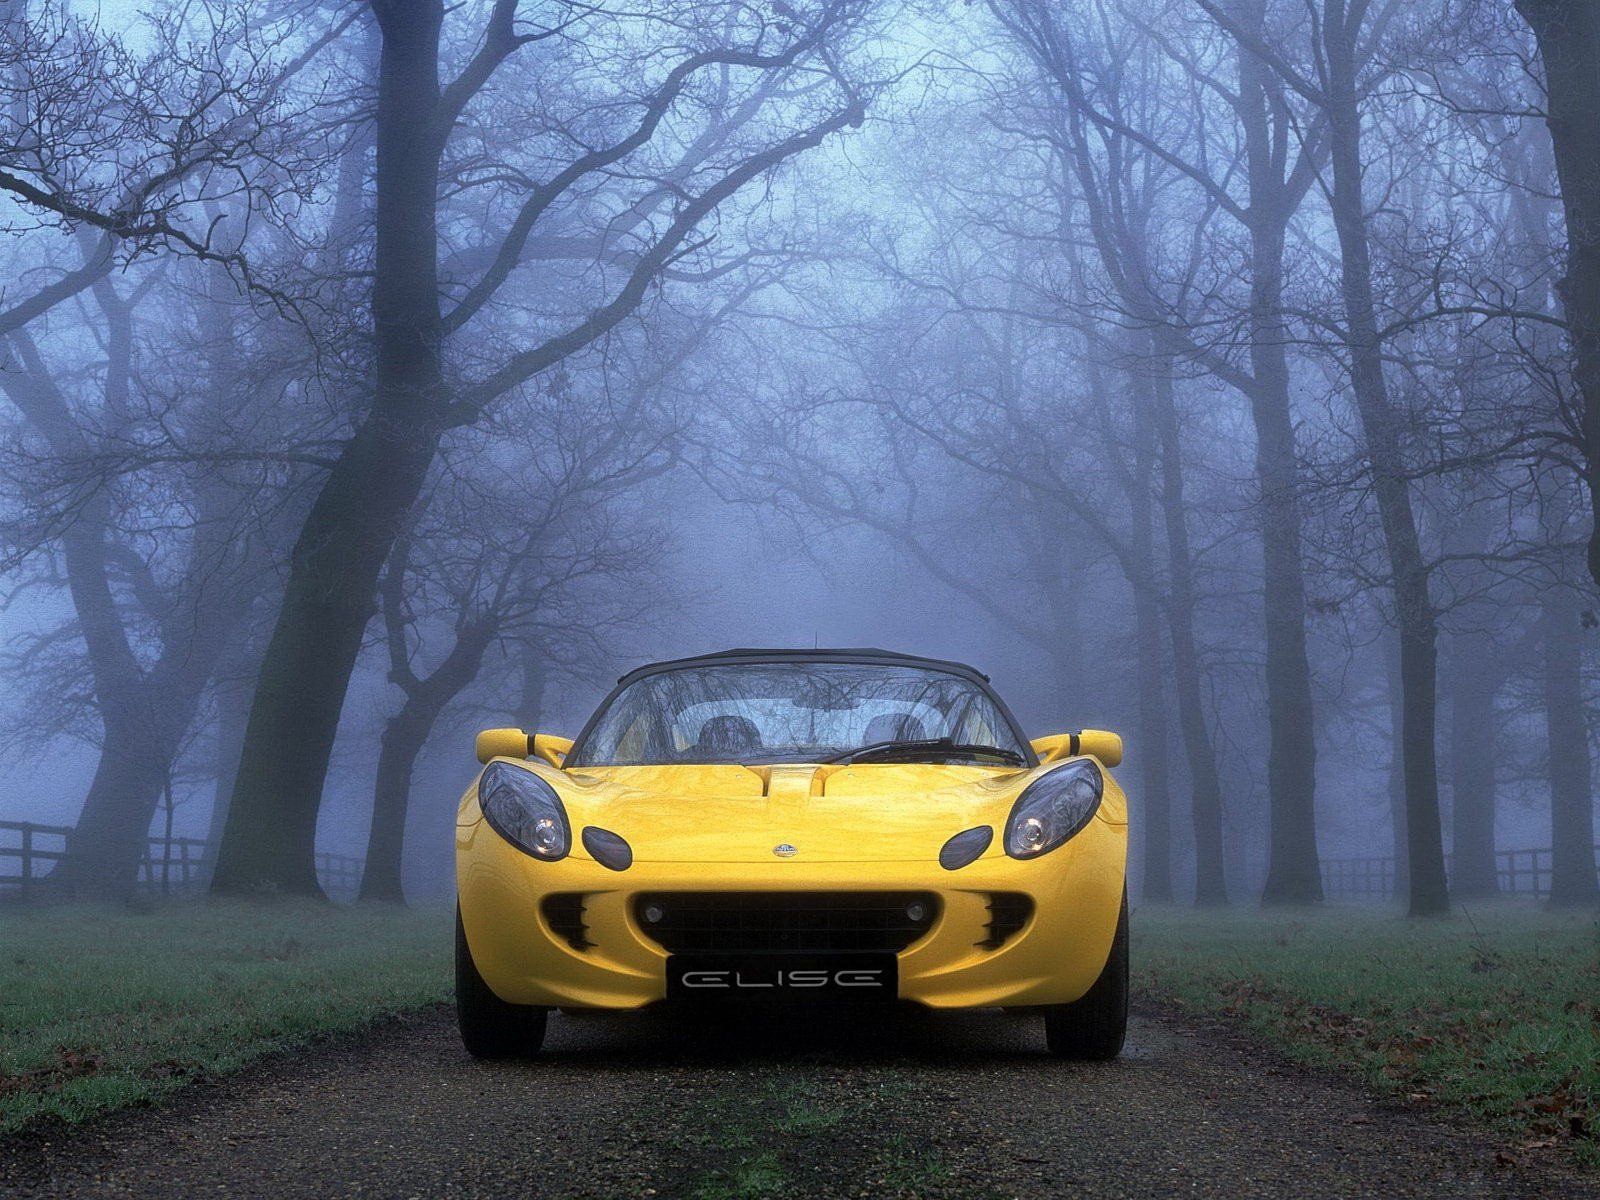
(607, 849)
(965, 847)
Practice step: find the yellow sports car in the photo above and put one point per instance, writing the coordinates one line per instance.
(807, 827)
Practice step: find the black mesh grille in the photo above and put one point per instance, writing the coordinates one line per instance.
(1008, 913)
(743, 922)
(564, 912)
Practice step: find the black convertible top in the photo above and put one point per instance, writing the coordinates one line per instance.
(888, 658)
(860, 655)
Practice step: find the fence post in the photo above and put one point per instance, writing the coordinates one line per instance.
(27, 858)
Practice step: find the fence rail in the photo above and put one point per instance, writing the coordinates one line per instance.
(1520, 872)
(175, 866)
(170, 866)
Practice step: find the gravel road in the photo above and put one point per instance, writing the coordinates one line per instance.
(939, 1106)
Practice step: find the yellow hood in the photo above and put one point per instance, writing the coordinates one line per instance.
(875, 812)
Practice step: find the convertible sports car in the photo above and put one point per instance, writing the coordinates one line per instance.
(790, 826)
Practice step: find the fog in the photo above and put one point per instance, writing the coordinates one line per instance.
(374, 374)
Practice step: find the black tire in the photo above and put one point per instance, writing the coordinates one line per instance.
(1094, 1027)
(491, 1028)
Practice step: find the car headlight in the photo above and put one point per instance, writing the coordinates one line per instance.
(1052, 808)
(525, 810)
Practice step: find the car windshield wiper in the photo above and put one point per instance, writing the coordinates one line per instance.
(931, 747)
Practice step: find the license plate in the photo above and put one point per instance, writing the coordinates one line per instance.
(860, 976)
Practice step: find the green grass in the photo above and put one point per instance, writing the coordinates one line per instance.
(1495, 1011)
(781, 1135)
(909, 1167)
(747, 1179)
(101, 1008)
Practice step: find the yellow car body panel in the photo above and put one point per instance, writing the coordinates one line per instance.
(867, 827)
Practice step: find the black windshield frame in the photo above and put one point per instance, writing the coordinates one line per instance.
(574, 757)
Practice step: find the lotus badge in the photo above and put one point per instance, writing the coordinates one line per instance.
(784, 850)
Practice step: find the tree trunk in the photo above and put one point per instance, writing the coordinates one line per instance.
(1568, 34)
(270, 840)
(1383, 435)
(232, 690)
(535, 679)
(144, 716)
(1294, 873)
(169, 810)
(1155, 772)
(143, 738)
(403, 738)
(1473, 683)
(1572, 836)
(1063, 600)
(113, 830)
(1211, 886)
(1396, 776)
(109, 837)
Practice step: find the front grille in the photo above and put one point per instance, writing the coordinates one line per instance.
(564, 912)
(807, 922)
(1008, 913)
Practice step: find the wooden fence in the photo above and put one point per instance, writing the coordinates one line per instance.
(170, 866)
(175, 866)
(1521, 872)
(1357, 878)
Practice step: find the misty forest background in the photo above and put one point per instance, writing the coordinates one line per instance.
(1223, 372)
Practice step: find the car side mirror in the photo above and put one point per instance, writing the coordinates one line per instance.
(1101, 743)
(514, 743)
(552, 747)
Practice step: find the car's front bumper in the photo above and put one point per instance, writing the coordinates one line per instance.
(1054, 958)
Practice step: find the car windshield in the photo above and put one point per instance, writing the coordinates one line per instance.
(797, 712)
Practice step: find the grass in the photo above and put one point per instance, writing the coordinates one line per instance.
(102, 1008)
(787, 1135)
(747, 1134)
(747, 1179)
(1494, 1011)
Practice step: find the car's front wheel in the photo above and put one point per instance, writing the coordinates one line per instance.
(1095, 1026)
(491, 1028)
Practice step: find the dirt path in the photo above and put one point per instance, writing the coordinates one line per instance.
(952, 1105)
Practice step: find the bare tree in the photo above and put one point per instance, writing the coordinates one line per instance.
(1336, 83)
(1568, 33)
(1279, 162)
(380, 471)
(544, 556)
(178, 146)
(154, 619)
